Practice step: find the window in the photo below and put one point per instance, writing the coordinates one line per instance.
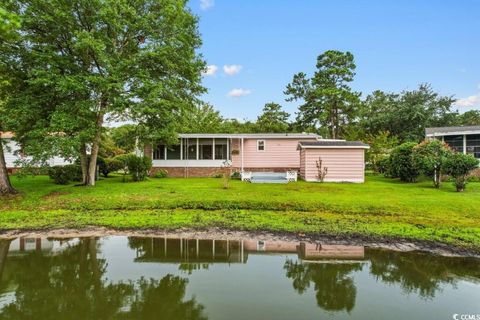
(455, 142)
(159, 152)
(473, 145)
(260, 145)
(205, 149)
(221, 149)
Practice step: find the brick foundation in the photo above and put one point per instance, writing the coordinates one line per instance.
(192, 172)
(182, 172)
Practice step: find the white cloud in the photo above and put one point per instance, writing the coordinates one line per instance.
(470, 101)
(205, 4)
(237, 93)
(211, 70)
(232, 69)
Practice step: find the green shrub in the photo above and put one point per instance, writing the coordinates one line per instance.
(402, 163)
(123, 162)
(383, 165)
(138, 167)
(65, 174)
(458, 166)
(235, 175)
(161, 173)
(217, 175)
(109, 165)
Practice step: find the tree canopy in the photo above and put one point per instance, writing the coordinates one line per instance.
(81, 63)
(328, 100)
(273, 119)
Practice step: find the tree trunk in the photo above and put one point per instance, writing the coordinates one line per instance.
(83, 162)
(438, 177)
(5, 185)
(92, 161)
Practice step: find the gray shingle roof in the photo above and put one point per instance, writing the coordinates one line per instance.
(445, 130)
(333, 143)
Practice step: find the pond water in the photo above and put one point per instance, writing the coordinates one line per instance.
(157, 278)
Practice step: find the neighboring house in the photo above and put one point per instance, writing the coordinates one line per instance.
(202, 155)
(13, 153)
(462, 139)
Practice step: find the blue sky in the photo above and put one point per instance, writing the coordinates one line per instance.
(397, 45)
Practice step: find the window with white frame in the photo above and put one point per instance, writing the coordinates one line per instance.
(260, 145)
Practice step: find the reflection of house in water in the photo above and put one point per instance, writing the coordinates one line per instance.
(187, 250)
(233, 251)
(314, 251)
(21, 246)
(24, 245)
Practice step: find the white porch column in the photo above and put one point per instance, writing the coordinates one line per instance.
(241, 155)
(464, 144)
(228, 149)
(213, 148)
(181, 148)
(197, 149)
(165, 152)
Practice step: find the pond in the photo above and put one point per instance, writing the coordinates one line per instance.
(120, 277)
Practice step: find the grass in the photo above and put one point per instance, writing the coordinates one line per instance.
(379, 208)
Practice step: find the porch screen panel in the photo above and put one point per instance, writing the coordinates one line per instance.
(190, 149)
(455, 142)
(473, 145)
(159, 152)
(173, 152)
(206, 149)
(221, 149)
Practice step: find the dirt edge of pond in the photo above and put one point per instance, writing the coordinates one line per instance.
(397, 244)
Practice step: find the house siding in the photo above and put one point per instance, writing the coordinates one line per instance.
(344, 165)
(11, 153)
(302, 160)
(9, 148)
(278, 153)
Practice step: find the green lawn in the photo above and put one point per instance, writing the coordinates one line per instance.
(379, 208)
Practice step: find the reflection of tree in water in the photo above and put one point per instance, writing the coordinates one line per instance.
(71, 285)
(190, 267)
(163, 299)
(335, 289)
(418, 272)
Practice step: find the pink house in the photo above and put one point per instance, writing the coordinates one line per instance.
(253, 155)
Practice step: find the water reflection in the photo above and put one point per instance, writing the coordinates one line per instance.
(421, 273)
(70, 278)
(334, 287)
(65, 280)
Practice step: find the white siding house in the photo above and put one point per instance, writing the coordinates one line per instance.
(13, 155)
